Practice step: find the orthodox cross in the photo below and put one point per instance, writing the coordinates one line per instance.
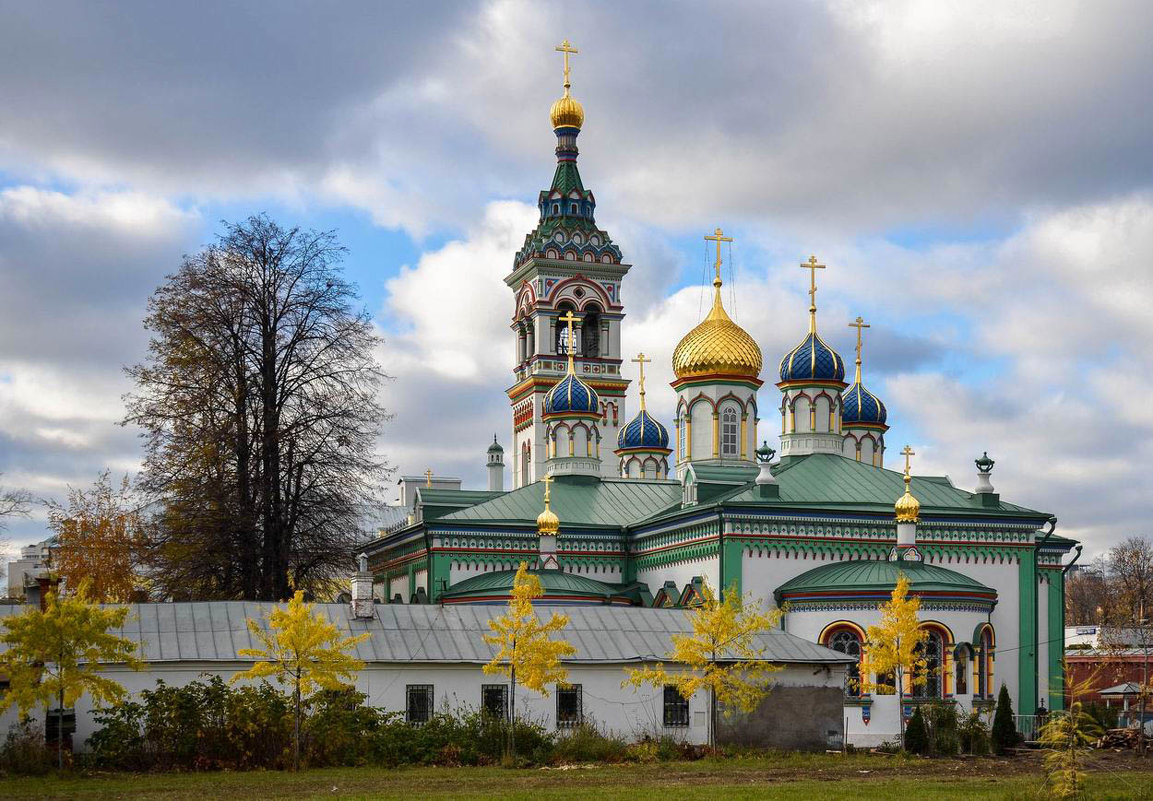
(907, 452)
(641, 360)
(718, 237)
(812, 266)
(569, 318)
(568, 50)
(548, 479)
(428, 477)
(858, 324)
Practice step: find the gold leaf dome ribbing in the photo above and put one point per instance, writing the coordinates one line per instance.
(567, 112)
(907, 507)
(717, 346)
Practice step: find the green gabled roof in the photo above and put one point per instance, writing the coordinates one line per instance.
(829, 481)
(858, 576)
(439, 502)
(578, 501)
(723, 474)
(553, 582)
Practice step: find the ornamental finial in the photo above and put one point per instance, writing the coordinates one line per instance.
(812, 266)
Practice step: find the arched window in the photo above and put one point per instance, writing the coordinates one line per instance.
(525, 457)
(985, 663)
(932, 651)
(561, 344)
(848, 642)
(591, 332)
(730, 433)
(961, 680)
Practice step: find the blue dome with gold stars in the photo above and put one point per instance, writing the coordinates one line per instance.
(858, 405)
(812, 360)
(570, 395)
(643, 432)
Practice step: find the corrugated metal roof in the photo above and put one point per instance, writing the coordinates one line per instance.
(214, 631)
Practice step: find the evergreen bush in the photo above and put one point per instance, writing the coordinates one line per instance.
(974, 735)
(942, 725)
(916, 735)
(1004, 729)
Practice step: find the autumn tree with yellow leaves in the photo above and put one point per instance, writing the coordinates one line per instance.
(526, 650)
(99, 534)
(894, 647)
(303, 650)
(55, 654)
(721, 655)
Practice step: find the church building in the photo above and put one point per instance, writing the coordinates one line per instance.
(630, 512)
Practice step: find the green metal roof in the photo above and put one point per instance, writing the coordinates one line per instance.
(828, 481)
(862, 575)
(578, 501)
(553, 582)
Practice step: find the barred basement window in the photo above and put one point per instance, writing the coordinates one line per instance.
(676, 707)
(569, 707)
(494, 701)
(419, 704)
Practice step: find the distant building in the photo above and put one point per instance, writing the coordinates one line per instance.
(33, 561)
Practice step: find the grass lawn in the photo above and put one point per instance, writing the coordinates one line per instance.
(805, 777)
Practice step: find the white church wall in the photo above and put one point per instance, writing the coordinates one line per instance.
(398, 586)
(628, 713)
(682, 573)
(1042, 646)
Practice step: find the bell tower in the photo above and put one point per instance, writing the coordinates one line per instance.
(566, 266)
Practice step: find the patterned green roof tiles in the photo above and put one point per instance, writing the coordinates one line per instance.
(877, 579)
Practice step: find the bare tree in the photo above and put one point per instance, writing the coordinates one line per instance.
(1087, 594)
(259, 405)
(13, 503)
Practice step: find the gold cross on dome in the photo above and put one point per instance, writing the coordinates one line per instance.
(568, 50)
(858, 324)
(812, 266)
(718, 237)
(642, 360)
(548, 479)
(569, 318)
(907, 452)
(428, 477)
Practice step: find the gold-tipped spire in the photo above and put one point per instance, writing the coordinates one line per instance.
(858, 324)
(812, 266)
(907, 507)
(547, 523)
(428, 477)
(567, 112)
(717, 346)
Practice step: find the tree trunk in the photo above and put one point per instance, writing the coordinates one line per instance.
(901, 705)
(60, 728)
(296, 727)
(512, 716)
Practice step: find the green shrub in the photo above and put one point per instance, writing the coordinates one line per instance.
(24, 752)
(942, 726)
(916, 735)
(1004, 729)
(586, 743)
(1106, 717)
(974, 734)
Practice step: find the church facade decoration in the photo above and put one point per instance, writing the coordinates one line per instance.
(824, 530)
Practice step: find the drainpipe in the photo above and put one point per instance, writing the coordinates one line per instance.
(1037, 609)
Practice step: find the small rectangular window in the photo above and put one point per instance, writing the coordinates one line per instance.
(676, 707)
(494, 701)
(419, 704)
(569, 708)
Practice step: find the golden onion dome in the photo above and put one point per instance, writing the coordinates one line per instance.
(907, 507)
(567, 112)
(717, 346)
(547, 523)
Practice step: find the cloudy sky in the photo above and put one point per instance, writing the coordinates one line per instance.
(978, 177)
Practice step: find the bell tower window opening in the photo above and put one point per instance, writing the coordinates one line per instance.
(590, 339)
(729, 433)
(561, 343)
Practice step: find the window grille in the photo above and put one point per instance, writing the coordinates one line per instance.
(569, 707)
(418, 709)
(676, 707)
(494, 701)
(729, 447)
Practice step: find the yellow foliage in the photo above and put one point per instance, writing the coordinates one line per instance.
(99, 538)
(56, 653)
(526, 651)
(720, 655)
(892, 647)
(1068, 735)
(302, 649)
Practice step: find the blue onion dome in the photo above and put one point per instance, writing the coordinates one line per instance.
(812, 360)
(571, 396)
(858, 405)
(643, 432)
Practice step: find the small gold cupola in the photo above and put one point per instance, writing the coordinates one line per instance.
(567, 112)
(547, 523)
(907, 507)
